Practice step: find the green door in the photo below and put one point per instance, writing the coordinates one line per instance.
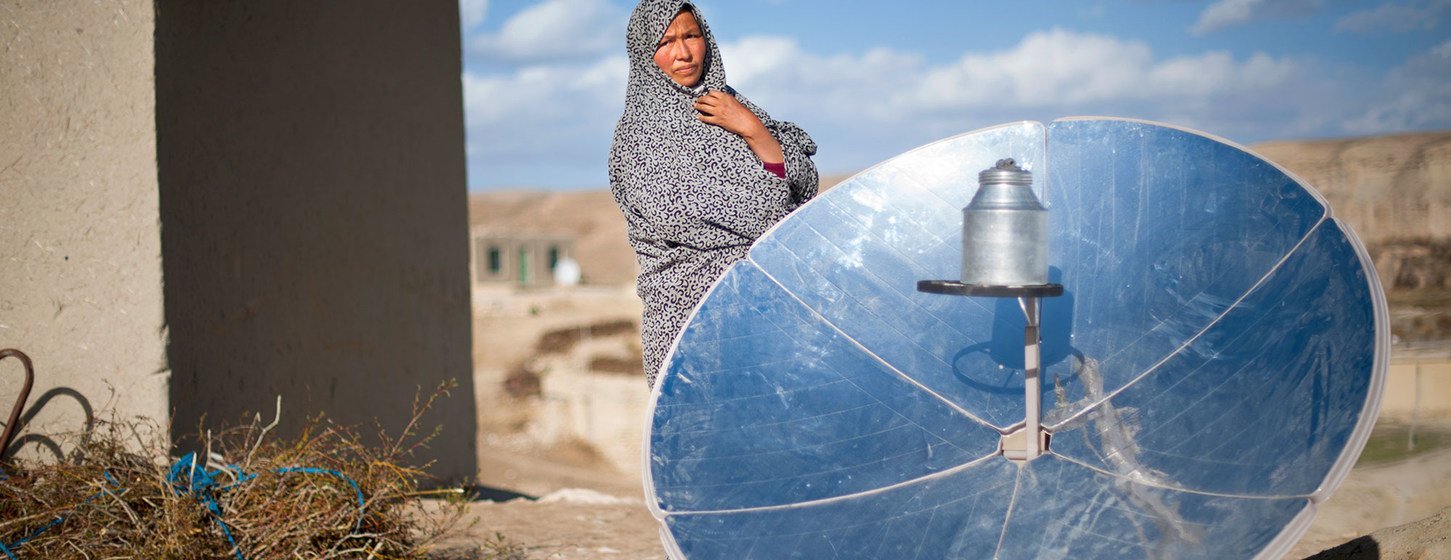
(523, 266)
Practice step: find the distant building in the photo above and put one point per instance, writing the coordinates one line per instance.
(539, 239)
(517, 258)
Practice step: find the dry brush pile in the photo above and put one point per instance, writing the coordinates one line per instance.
(328, 493)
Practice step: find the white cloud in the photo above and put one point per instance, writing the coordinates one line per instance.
(1088, 73)
(472, 13)
(1396, 17)
(1225, 13)
(779, 75)
(547, 95)
(543, 124)
(1229, 13)
(878, 102)
(555, 30)
(1048, 68)
(1415, 96)
(1216, 73)
(866, 106)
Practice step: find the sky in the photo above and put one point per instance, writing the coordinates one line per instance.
(544, 80)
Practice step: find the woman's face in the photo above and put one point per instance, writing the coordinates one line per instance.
(681, 51)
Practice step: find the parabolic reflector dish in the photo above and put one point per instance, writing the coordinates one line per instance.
(1210, 373)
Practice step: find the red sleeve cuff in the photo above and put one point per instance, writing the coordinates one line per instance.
(778, 168)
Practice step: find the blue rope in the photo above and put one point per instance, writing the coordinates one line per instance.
(58, 520)
(37, 532)
(356, 490)
(186, 478)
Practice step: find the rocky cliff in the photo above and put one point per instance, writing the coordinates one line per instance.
(1389, 188)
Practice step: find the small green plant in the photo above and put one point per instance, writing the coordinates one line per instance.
(500, 548)
(1394, 442)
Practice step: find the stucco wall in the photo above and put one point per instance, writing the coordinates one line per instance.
(313, 208)
(80, 245)
(1417, 388)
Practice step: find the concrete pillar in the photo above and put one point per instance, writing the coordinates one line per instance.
(205, 205)
(314, 212)
(80, 234)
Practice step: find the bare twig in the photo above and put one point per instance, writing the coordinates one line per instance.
(276, 417)
(277, 514)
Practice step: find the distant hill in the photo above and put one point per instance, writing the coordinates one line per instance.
(1391, 189)
(603, 252)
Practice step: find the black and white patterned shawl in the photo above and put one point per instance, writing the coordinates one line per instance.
(694, 195)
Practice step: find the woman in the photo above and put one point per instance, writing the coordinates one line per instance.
(699, 171)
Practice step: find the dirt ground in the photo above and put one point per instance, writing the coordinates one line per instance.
(1383, 496)
(588, 513)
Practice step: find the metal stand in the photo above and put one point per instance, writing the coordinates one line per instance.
(1031, 441)
(12, 426)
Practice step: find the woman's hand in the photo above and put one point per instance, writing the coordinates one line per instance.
(723, 110)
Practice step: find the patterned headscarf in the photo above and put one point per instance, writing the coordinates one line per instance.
(694, 195)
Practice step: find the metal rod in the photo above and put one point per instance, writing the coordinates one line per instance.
(10, 425)
(1033, 386)
(1415, 411)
